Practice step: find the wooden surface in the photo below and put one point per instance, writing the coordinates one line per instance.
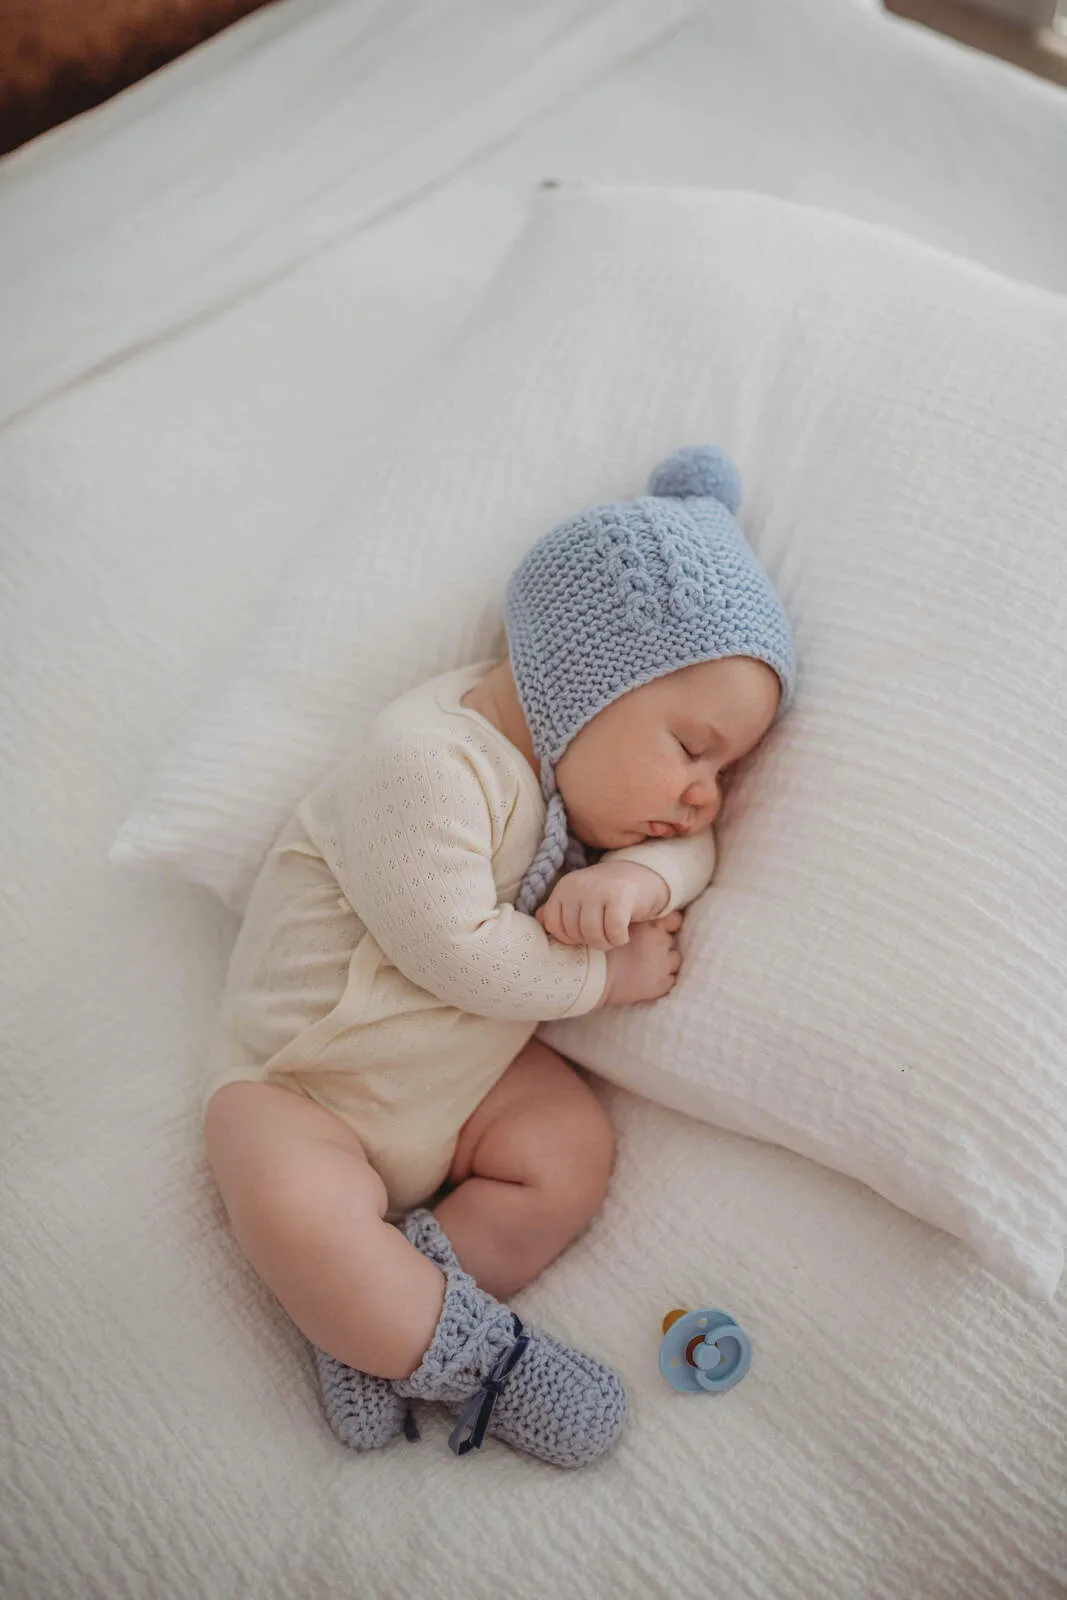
(60, 57)
(1042, 52)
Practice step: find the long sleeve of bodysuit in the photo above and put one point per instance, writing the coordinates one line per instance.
(416, 820)
(685, 865)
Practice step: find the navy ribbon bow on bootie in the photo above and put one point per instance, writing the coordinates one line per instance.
(479, 1408)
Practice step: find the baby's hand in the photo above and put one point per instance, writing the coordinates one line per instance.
(648, 967)
(596, 905)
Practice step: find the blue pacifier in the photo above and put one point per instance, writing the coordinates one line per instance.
(703, 1351)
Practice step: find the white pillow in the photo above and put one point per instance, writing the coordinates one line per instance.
(877, 977)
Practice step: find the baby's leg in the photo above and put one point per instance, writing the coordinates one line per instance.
(307, 1209)
(532, 1168)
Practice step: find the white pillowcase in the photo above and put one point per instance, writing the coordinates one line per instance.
(877, 977)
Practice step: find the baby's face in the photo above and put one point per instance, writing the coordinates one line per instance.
(651, 764)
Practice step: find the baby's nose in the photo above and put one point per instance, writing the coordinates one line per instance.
(706, 802)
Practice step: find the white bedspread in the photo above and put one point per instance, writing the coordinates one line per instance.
(185, 369)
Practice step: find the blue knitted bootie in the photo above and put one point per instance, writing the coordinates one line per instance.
(366, 1412)
(504, 1379)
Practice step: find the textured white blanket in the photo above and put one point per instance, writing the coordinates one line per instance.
(902, 1431)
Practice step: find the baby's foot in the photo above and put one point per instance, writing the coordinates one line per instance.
(366, 1412)
(523, 1387)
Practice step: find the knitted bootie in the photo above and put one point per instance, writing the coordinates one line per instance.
(366, 1412)
(425, 1232)
(523, 1387)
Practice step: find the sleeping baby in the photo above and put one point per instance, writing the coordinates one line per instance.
(514, 842)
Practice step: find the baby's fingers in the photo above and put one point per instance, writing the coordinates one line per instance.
(571, 920)
(672, 922)
(616, 926)
(549, 917)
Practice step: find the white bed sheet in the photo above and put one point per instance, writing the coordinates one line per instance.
(903, 1429)
(317, 121)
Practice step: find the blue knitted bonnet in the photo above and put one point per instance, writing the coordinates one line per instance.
(626, 593)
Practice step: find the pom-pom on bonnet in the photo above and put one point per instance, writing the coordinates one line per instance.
(625, 593)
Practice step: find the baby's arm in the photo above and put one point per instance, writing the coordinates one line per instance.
(414, 841)
(686, 866)
(595, 906)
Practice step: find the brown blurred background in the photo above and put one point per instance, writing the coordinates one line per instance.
(60, 57)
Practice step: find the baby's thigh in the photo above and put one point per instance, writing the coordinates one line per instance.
(271, 1150)
(541, 1125)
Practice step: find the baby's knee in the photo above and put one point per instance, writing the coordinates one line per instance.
(575, 1163)
(317, 1192)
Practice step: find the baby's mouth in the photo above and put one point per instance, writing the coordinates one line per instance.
(664, 830)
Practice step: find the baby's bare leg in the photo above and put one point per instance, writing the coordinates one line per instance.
(307, 1209)
(532, 1168)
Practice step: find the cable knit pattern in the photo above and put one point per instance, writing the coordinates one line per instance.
(628, 592)
(366, 1412)
(557, 1404)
